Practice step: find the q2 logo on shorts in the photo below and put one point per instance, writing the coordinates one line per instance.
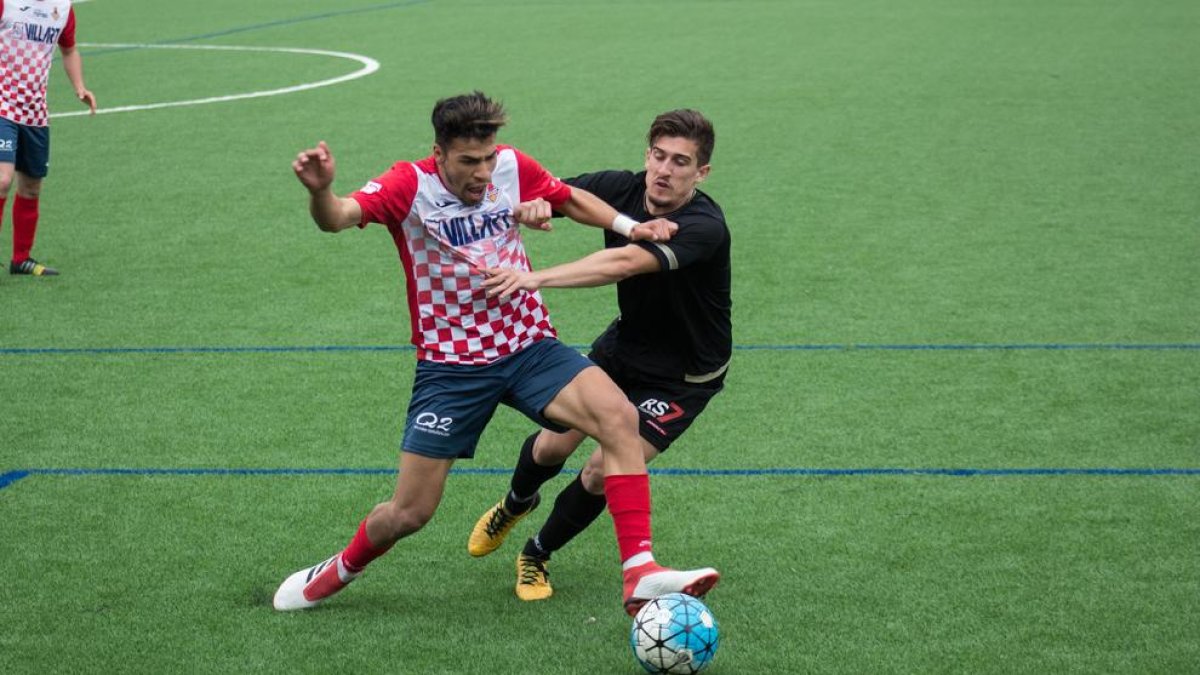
(431, 423)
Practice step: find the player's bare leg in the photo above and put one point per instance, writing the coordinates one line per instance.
(419, 488)
(594, 405)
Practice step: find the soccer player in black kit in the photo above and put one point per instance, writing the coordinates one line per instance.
(668, 350)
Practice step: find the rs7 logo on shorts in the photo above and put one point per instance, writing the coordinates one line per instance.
(663, 411)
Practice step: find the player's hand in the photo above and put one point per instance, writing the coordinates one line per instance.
(315, 167)
(503, 282)
(659, 229)
(535, 214)
(88, 98)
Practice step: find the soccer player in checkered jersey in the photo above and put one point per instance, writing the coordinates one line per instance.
(668, 350)
(29, 31)
(452, 215)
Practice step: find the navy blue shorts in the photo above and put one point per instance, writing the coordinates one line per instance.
(26, 147)
(451, 404)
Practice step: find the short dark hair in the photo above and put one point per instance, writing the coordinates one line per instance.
(472, 116)
(689, 124)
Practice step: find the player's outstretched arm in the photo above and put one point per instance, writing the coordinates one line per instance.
(585, 207)
(598, 269)
(315, 168)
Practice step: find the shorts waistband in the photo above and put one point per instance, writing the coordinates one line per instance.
(706, 377)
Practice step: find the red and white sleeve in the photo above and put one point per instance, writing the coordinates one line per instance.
(535, 182)
(388, 198)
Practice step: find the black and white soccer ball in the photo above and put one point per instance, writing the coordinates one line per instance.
(674, 633)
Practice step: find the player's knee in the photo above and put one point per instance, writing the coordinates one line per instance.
(5, 184)
(592, 476)
(551, 448)
(619, 419)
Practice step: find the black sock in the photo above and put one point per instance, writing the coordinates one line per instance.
(534, 548)
(574, 509)
(527, 478)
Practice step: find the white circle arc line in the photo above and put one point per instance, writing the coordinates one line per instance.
(369, 66)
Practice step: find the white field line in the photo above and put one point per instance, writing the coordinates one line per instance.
(369, 66)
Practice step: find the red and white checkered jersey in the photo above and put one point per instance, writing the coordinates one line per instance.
(29, 30)
(444, 244)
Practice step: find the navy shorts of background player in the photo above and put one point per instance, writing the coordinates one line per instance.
(26, 147)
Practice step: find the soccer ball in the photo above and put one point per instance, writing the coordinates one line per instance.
(674, 633)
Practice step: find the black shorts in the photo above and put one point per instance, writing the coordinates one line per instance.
(666, 408)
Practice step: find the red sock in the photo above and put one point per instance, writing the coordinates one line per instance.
(3, 201)
(629, 503)
(361, 551)
(25, 222)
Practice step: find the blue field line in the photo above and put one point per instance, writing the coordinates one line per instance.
(30, 351)
(1032, 346)
(270, 24)
(11, 477)
(883, 471)
(286, 349)
(303, 19)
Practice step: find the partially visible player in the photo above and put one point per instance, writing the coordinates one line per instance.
(452, 215)
(668, 350)
(29, 32)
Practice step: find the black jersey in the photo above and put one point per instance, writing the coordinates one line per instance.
(674, 323)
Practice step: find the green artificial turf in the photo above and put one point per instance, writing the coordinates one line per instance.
(961, 431)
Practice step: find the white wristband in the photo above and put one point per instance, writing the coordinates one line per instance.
(623, 225)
